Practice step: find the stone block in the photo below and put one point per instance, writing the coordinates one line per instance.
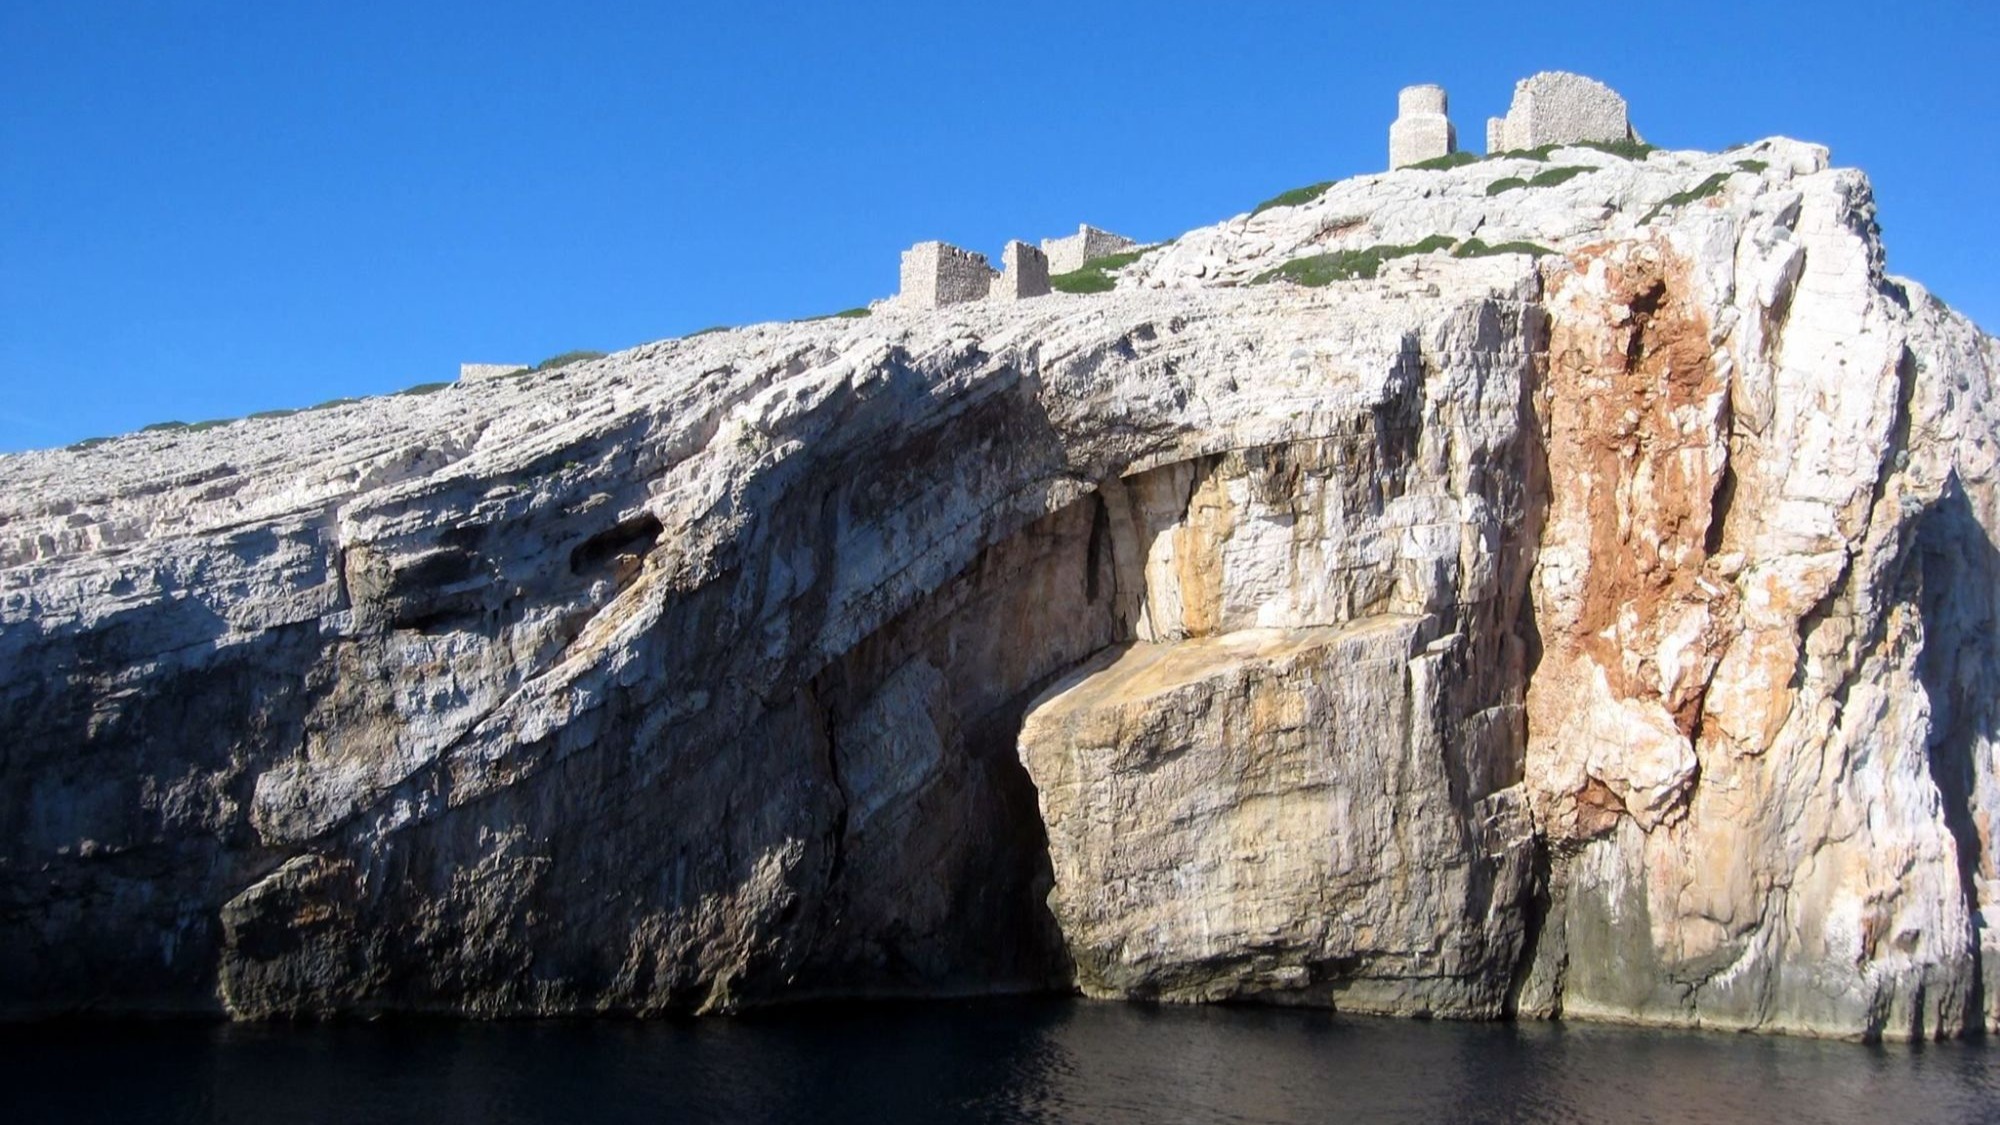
(470, 371)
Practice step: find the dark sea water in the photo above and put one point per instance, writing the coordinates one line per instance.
(1041, 1060)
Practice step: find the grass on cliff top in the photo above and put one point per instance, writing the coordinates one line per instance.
(1294, 198)
(1540, 155)
(1547, 177)
(1701, 190)
(560, 359)
(1628, 149)
(176, 426)
(421, 389)
(1094, 276)
(1443, 163)
(1348, 265)
(855, 313)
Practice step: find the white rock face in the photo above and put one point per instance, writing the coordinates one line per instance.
(1270, 812)
(1607, 631)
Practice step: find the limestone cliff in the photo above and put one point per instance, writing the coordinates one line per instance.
(1605, 632)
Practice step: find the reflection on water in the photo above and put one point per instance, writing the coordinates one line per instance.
(1040, 1060)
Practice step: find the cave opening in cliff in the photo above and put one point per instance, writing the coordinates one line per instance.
(1254, 615)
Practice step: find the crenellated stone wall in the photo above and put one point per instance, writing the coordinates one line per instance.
(936, 274)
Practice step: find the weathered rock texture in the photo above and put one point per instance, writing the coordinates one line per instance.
(1607, 633)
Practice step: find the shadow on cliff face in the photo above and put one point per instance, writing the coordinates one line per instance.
(124, 806)
(1959, 571)
(941, 872)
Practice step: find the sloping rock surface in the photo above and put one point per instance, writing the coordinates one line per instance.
(1608, 632)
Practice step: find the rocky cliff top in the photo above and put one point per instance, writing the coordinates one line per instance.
(163, 484)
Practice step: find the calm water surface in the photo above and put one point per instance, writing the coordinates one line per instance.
(1043, 1060)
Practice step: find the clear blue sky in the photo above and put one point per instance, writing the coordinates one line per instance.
(212, 208)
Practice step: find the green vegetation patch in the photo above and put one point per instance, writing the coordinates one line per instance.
(1754, 167)
(178, 426)
(1348, 265)
(86, 443)
(855, 313)
(1094, 276)
(1701, 190)
(1547, 177)
(563, 359)
(422, 389)
(709, 331)
(1295, 197)
(1474, 248)
(1562, 174)
(1443, 163)
(1628, 149)
(1539, 154)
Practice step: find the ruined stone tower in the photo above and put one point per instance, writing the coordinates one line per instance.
(1422, 130)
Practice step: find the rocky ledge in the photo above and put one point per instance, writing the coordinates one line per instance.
(1592, 612)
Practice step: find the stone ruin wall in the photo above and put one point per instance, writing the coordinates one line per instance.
(936, 274)
(1067, 255)
(470, 371)
(1556, 108)
(1024, 273)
